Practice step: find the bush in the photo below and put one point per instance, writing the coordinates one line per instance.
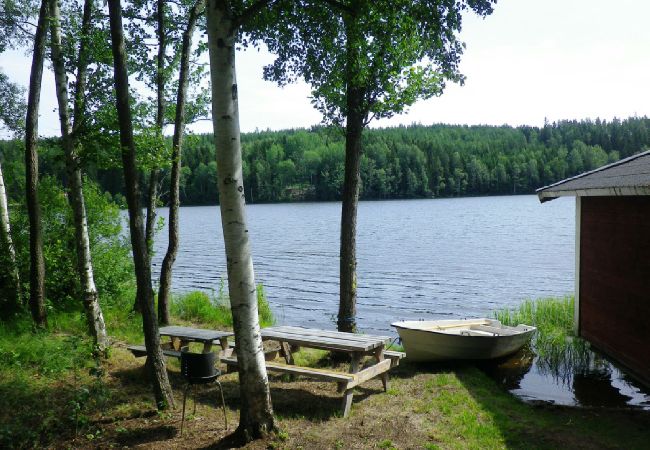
(112, 263)
(214, 310)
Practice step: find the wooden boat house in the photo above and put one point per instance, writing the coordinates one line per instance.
(612, 288)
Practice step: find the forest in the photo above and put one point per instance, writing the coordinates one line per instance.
(414, 161)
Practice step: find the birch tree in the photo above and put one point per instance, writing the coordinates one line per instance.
(94, 316)
(367, 60)
(12, 115)
(225, 19)
(36, 261)
(155, 360)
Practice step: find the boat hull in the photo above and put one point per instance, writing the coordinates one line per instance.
(428, 345)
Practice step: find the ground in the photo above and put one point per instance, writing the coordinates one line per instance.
(425, 407)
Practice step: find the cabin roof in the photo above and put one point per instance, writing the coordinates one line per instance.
(629, 176)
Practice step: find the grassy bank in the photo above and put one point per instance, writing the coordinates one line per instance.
(53, 394)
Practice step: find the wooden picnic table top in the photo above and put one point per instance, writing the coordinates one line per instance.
(194, 334)
(325, 339)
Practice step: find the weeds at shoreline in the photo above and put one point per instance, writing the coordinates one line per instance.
(560, 352)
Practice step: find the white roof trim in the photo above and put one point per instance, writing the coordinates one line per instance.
(599, 192)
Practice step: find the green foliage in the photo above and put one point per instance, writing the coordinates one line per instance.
(110, 251)
(50, 383)
(403, 162)
(214, 310)
(201, 307)
(414, 161)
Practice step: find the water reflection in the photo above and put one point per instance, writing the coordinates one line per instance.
(583, 377)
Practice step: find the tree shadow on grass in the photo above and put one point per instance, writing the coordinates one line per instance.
(139, 436)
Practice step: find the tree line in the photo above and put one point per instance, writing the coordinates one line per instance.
(414, 161)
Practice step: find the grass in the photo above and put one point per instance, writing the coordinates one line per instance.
(53, 395)
(559, 350)
(214, 309)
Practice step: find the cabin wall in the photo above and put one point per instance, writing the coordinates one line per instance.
(615, 278)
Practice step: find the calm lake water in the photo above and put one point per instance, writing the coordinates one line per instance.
(441, 258)
(417, 259)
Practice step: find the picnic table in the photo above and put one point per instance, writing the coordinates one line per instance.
(357, 346)
(182, 336)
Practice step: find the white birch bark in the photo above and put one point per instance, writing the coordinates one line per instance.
(94, 315)
(7, 243)
(256, 416)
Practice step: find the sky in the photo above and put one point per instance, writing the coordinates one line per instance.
(529, 61)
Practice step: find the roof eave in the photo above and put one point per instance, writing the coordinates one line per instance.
(547, 195)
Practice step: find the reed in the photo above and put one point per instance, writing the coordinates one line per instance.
(560, 352)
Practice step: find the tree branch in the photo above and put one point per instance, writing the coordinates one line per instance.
(250, 12)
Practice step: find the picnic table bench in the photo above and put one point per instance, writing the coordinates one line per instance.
(357, 346)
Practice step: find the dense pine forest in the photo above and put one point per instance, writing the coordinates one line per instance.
(404, 162)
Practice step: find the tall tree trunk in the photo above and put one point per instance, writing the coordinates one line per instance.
(94, 316)
(36, 261)
(152, 197)
(256, 413)
(155, 360)
(355, 117)
(164, 290)
(82, 69)
(12, 301)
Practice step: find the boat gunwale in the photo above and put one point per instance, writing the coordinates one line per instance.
(531, 329)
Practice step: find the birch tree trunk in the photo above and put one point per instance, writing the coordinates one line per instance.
(164, 290)
(155, 360)
(12, 302)
(36, 261)
(94, 316)
(256, 413)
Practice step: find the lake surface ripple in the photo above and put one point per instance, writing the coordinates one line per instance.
(434, 259)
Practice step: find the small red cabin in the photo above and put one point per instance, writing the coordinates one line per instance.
(612, 289)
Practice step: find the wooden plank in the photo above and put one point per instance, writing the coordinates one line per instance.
(195, 334)
(394, 354)
(321, 342)
(322, 374)
(370, 372)
(347, 396)
(330, 334)
(141, 350)
(495, 330)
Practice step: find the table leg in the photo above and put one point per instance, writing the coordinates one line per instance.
(347, 397)
(225, 348)
(177, 343)
(285, 350)
(207, 346)
(379, 355)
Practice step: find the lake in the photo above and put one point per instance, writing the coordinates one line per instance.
(417, 259)
(434, 258)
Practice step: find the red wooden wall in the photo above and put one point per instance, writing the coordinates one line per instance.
(615, 278)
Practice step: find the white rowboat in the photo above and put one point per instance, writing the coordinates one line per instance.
(435, 340)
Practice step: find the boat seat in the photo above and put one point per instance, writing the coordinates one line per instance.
(473, 332)
(495, 330)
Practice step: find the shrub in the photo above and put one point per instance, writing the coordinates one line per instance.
(112, 264)
(214, 309)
